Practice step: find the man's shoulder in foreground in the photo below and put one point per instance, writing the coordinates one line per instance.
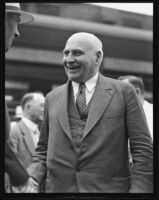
(116, 83)
(56, 91)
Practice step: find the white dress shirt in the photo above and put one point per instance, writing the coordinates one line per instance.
(33, 129)
(90, 87)
(148, 109)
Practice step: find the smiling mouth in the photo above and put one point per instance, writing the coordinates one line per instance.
(73, 67)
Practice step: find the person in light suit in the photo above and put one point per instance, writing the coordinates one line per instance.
(83, 144)
(13, 17)
(24, 134)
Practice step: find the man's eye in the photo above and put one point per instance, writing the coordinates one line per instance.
(77, 53)
(65, 53)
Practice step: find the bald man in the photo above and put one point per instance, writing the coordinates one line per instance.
(83, 145)
(24, 134)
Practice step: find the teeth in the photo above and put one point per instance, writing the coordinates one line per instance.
(72, 68)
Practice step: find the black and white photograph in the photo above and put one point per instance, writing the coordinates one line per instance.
(79, 98)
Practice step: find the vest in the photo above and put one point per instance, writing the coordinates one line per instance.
(76, 122)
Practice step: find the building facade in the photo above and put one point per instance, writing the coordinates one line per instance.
(34, 63)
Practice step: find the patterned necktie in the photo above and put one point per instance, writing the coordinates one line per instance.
(81, 98)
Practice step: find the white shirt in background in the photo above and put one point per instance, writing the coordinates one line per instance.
(148, 109)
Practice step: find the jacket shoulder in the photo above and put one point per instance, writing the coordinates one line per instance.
(118, 84)
(15, 128)
(121, 88)
(55, 91)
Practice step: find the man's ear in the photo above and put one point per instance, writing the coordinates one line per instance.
(99, 57)
(138, 90)
(28, 106)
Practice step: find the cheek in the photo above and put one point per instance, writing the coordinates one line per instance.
(12, 29)
(64, 61)
(90, 68)
(8, 35)
(40, 110)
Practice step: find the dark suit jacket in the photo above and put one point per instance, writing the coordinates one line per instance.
(102, 166)
(13, 166)
(22, 140)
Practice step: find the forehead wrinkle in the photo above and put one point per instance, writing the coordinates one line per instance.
(78, 46)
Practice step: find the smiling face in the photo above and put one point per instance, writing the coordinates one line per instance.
(80, 58)
(11, 29)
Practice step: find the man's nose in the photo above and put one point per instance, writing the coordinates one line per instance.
(70, 58)
(17, 34)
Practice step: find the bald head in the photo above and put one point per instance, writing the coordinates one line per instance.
(33, 106)
(92, 41)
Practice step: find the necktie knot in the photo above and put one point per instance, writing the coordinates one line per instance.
(82, 87)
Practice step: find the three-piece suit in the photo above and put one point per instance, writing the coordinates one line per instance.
(89, 153)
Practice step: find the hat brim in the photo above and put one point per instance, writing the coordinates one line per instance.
(24, 16)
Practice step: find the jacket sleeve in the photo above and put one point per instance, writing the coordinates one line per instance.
(13, 166)
(140, 144)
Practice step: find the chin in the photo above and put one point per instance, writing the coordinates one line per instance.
(75, 78)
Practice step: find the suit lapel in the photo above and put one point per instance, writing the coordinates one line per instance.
(100, 101)
(63, 112)
(27, 137)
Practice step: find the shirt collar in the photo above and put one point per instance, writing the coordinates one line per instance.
(30, 124)
(90, 84)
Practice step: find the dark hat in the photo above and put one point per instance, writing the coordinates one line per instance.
(15, 8)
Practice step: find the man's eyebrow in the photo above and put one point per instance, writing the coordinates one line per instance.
(77, 50)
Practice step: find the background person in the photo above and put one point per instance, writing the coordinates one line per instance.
(13, 17)
(25, 133)
(83, 145)
(138, 84)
